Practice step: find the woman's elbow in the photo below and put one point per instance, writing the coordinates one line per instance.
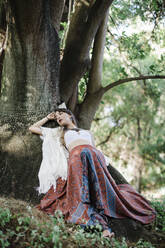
(35, 130)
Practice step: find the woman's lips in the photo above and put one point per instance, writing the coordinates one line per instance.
(60, 120)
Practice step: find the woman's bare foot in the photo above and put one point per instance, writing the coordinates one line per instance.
(108, 234)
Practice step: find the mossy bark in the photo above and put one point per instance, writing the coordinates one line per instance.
(29, 91)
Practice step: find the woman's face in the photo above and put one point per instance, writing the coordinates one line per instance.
(63, 119)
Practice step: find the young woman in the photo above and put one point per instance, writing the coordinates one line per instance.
(88, 194)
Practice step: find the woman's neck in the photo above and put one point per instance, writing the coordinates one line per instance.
(70, 126)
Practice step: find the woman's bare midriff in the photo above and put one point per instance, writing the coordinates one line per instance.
(78, 143)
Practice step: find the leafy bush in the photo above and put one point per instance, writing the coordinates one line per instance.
(160, 209)
(24, 229)
(19, 230)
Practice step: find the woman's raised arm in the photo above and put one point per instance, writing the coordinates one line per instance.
(35, 128)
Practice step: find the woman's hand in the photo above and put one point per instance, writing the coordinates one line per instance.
(51, 116)
(35, 128)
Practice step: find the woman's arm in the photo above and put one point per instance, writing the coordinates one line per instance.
(35, 128)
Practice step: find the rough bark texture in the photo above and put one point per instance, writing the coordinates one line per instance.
(95, 75)
(32, 58)
(29, 90)
(2, 17)
(2, 55)
(30, 76)
(85, 22)
(88, 107)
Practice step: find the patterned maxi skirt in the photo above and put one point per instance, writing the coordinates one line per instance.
(90, 195)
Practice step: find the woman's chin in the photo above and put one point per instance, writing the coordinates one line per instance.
(62, 124)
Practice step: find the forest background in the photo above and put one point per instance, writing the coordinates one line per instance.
(106, 60)
(129, 124)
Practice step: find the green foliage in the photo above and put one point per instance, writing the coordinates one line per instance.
(160, 209)
(152, 10)
(144, 244)
(5, 216)
(62, 33)
(137, 45)
(113, 71)
(134, 114)
(140, 244)
(82, 88)
(22, 230)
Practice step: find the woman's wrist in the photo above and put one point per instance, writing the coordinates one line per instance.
(41, 122)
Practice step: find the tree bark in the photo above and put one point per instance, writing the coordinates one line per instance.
(85, 22)
(32, 58)
(88, 107)
(126, 80)
(29, 91)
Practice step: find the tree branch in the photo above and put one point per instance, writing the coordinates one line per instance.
(122, 81)
(56, 11)
(112, 130)
(107, 138)
(85, 22)
(87, 109)
(101, 118)
(2, 54)
(70, 7)
(2, 17)
(95, 74)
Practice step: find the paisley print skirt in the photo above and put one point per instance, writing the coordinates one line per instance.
(90, 195)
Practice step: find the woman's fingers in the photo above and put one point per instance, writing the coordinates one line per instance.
(51, 116)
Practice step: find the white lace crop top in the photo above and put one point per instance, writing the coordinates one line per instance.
(72, 135)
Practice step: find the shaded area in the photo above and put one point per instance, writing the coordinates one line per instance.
(19, 179)
(119, 179)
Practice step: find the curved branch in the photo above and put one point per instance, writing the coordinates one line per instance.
(112, 130)
(107, 138)
(88, 107)
(122, 81)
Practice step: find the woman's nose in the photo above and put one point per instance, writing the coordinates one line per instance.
(58, 118)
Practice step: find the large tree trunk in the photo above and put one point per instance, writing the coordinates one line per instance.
(30, 89)
(31, 67)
